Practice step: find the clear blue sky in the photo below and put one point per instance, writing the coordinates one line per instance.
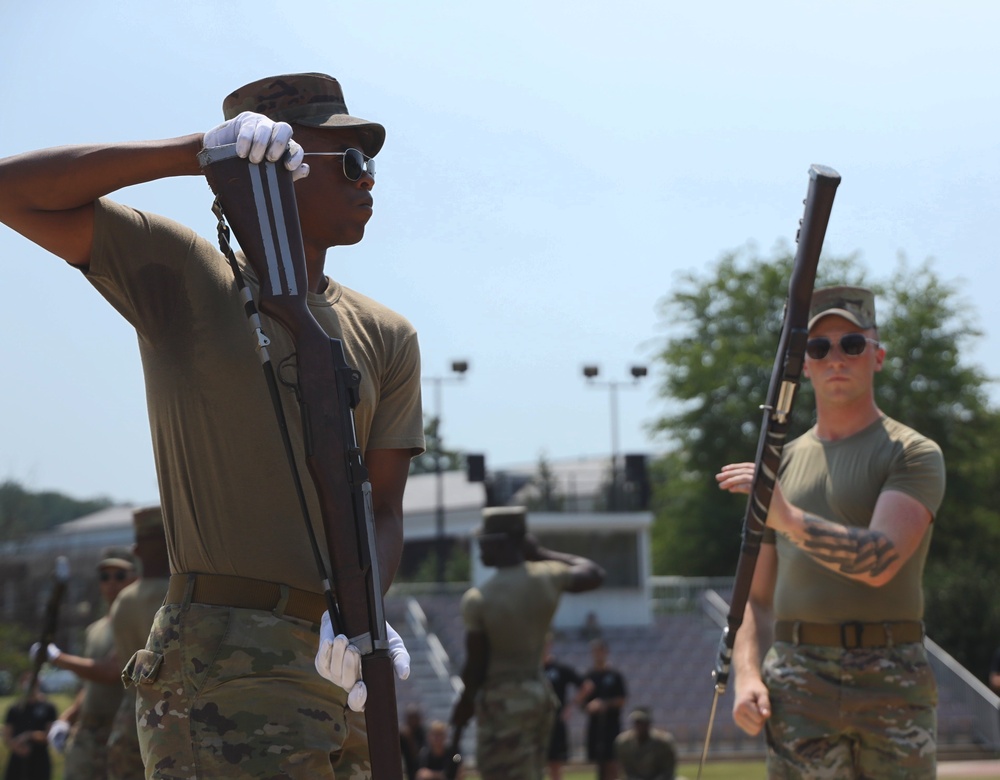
(550, 169)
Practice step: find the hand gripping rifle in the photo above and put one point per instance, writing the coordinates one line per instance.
(259, 202)
(59, 581)
(785, 379)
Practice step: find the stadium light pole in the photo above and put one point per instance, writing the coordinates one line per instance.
(591, 373)
(458, 367)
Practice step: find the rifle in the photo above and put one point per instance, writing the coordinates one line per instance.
(60, 579)
(785, 378)
(259, 202)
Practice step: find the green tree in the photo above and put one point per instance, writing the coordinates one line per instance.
(24, 512)
(545, 495)
(451, 460)
(723, 330)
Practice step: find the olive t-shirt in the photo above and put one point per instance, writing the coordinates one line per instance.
(100, 699)
(229, 502)
(841, 481)
(132, 614)
(514, 608)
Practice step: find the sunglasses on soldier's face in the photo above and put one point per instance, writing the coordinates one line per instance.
(356, 164)
(851, 344)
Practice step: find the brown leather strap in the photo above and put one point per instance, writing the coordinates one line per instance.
(849, 635)
(246, 593)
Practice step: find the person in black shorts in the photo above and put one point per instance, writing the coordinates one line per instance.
(603, 696)
(560, 676)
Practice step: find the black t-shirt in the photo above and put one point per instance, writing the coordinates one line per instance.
(560, 677)
(30, 716)
(428, 760)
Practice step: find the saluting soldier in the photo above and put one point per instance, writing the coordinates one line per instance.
(506, 621)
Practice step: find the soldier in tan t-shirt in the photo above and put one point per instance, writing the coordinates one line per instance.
(87, 721)
(131, 617)
(506, 621)
(845, 689)
(230, 683)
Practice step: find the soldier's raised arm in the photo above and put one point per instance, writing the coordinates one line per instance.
(48, 195)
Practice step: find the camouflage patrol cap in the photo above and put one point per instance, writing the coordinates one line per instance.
(312, 99)
(855, 304)
(641, 715)
(147, 521)
(509, 520)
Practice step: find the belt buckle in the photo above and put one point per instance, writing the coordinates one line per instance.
(859, 629)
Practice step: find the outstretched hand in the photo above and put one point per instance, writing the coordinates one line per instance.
(736, 477)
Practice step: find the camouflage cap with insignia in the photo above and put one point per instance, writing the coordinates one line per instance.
(312, 99)
(855, 304)
(147, 521)
(509, 520)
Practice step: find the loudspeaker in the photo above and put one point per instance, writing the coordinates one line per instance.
(475, 468)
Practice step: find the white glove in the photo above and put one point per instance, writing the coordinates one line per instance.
(58, 733)
(258, 137)
(340, 662)
(398, 652)
(51, 651)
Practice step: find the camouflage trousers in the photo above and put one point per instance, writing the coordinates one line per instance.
(86, 751)
(234, 693)
(513, 723)
(850, 714)
(124, 757)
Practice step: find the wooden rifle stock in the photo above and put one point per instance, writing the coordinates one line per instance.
(59, 582)
(259, 202)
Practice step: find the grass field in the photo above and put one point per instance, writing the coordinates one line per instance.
(714, 770)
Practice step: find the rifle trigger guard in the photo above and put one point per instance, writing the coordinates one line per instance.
(290, 364)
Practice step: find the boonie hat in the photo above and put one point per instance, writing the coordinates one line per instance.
(312, 99)
(855, 304)
(640, 714)
(509, 520)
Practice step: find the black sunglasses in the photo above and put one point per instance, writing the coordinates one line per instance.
(851, 344)
(356, 164)
(117, 574)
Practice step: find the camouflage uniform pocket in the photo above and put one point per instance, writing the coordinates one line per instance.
(142, 669)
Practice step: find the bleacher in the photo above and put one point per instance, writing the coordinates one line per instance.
(668, 668)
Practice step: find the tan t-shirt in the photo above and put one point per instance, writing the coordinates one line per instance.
(514, 608)
(133, 612)
(841, 481)
(229, 502)
(99, 699)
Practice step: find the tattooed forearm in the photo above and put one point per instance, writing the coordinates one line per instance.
(849, 550)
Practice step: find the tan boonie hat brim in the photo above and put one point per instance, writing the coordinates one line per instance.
(854, 304)
(312, 99)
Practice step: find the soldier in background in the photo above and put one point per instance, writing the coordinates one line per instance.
(506, 621)
(644, 752)
(131, 618)
(87, 721)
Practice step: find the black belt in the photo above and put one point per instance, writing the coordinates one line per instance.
(245, 593)
(849, 635)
